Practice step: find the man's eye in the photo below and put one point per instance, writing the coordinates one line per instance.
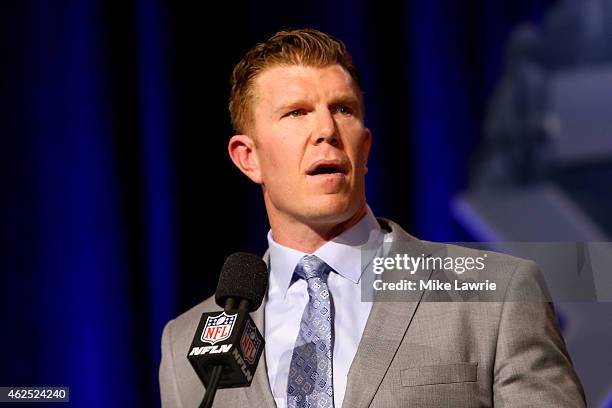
(295, 113)
(343, 110)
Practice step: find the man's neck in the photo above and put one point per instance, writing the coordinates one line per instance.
(308, 238)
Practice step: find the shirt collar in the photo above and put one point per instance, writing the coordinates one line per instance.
(343, 253)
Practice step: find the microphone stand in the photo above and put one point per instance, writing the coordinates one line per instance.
(211, 390)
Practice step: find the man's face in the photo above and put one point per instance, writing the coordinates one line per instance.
(311, 145)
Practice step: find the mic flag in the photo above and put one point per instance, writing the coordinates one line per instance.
(228, 340)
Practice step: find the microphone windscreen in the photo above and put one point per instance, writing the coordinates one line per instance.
(243, 276)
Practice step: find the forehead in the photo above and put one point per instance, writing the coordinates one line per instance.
(282, 84)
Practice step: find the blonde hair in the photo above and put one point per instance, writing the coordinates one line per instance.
(308, 47)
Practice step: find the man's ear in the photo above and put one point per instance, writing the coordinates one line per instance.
(242, 151)
(367, 144)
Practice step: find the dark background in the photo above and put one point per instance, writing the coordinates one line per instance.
(119, 202)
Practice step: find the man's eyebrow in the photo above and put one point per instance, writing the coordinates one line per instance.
(291, 102)
(285, 106)
(345, 100)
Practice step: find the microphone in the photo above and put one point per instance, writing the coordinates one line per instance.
(227, 345)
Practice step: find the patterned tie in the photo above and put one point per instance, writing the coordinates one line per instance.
(310, 373)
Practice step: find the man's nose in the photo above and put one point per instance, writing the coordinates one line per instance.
(325, 129)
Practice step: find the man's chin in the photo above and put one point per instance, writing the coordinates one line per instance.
(333, 213)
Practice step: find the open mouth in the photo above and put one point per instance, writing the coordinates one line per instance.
(326, 168)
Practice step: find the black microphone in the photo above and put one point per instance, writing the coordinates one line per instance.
(227, 345)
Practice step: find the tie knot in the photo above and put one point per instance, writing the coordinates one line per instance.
(311, 266)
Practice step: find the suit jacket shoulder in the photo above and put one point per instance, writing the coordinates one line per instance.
(503, 349)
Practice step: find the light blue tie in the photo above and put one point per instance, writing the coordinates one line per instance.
(310, 382)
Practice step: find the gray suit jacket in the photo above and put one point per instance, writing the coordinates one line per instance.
(425, 352)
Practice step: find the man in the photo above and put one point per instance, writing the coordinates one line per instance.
(297, 106)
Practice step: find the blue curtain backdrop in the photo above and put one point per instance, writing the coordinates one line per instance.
(119, 202)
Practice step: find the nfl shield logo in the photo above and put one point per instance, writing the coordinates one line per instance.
(250, 343)
(218, 328)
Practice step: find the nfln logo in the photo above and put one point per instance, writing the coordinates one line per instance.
(250, 343)
(218, 328)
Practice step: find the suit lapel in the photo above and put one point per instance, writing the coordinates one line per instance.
(384, 332)
(382, 336)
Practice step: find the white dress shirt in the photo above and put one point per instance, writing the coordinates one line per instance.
(286, 302)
